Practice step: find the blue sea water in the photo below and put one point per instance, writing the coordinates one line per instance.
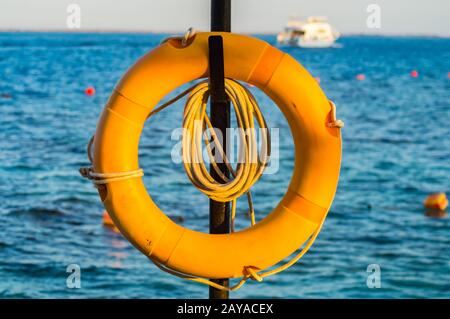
(396, 150)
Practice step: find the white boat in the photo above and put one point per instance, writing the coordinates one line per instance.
(316, 32)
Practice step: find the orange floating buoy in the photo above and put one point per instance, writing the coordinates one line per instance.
(108, 222)
(414, 74)
(90, 91)
(437, 201)
(448, 75)
(360, 77)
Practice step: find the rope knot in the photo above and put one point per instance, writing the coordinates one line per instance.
(184, 39)
(187, 36)
(85, 172)
(334, 122)
(251, 271)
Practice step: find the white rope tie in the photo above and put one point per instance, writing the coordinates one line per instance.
(334, 122)
(105, 178)
(184, 39)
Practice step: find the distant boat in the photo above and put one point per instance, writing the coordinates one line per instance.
(316, 32)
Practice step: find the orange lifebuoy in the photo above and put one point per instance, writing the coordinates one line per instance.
(298, 215)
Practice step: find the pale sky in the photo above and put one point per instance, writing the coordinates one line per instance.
(431, 17)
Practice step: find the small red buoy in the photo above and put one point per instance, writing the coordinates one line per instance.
(90, 91)
(448, 75)
(360, 77)
(317, 79)
(5, 95)
(414, 74)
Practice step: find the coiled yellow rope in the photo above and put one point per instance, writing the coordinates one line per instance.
(197, 125)
(251, 161)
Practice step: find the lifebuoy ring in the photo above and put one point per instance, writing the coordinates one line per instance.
(298, 215)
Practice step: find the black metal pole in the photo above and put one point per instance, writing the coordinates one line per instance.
(219, 213)
(221, 15)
